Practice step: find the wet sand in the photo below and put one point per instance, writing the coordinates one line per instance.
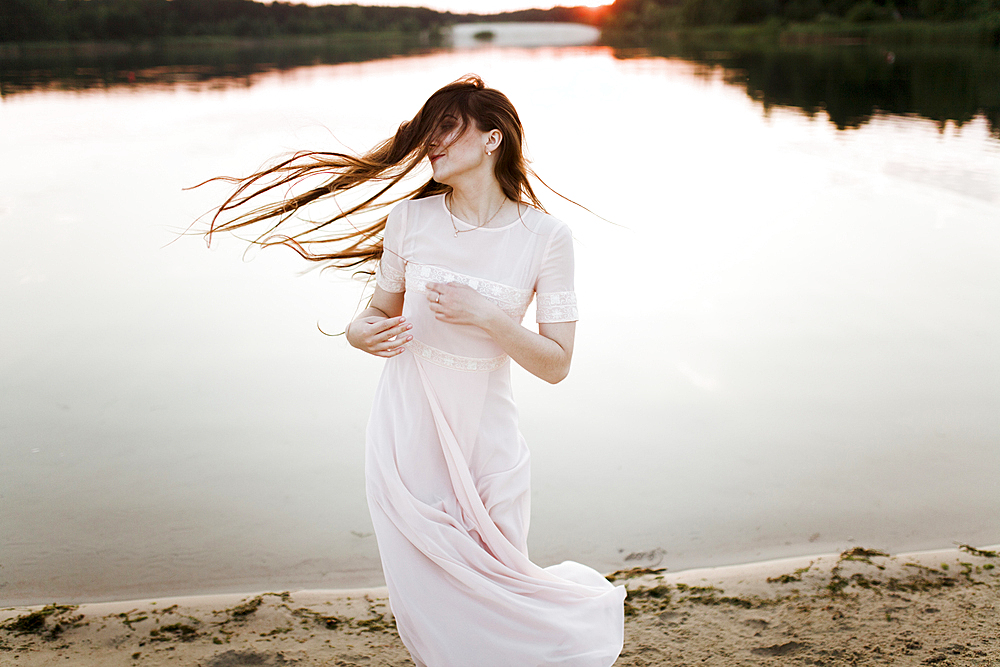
(860, 607)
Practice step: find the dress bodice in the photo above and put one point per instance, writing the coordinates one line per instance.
(508, 265)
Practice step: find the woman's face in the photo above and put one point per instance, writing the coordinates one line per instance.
(457, 149)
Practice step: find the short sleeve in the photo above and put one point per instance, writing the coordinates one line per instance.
(390, 274)
(556, 300)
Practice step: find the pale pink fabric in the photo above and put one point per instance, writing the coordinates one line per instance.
(448, 471)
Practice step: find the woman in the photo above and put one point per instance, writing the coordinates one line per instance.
(447, 469)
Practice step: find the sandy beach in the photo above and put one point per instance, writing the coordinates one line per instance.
(860, 607)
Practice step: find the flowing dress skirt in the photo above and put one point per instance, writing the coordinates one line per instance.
(448, 488)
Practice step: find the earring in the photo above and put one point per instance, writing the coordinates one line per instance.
(489, 152)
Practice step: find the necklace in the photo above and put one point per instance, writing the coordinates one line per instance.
(459, 231)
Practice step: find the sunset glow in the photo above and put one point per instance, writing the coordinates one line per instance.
(468, 6)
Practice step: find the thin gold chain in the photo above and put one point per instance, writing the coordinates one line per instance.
(452, 215)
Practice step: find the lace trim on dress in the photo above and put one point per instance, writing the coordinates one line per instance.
(389, 278)
(556, 307)
(512, 300)
(453, 361)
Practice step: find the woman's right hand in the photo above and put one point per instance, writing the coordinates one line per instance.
(378, 335)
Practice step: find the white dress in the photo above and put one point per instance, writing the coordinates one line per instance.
(448, 471)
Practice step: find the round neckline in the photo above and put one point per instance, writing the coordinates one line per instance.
(448, 211)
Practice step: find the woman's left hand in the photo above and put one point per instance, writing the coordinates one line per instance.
(456, 303)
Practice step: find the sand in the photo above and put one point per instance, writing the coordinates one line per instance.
(861, 607)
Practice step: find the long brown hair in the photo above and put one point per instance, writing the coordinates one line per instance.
(468, 100)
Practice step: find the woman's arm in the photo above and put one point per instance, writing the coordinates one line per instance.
(380, 327)
(546, 354)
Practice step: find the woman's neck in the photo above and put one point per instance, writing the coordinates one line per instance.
(480, 207)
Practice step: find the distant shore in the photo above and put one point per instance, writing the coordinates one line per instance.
(860, 607)
(97, 48)
(897, 34)
(915, 34)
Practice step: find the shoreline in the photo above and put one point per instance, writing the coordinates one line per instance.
(858, 607)
(913, 33)
(907, 33)
(207, 45)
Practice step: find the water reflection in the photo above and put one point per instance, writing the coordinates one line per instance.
(224, 63)
(480, 35)
(854, 84)
(851, 85)
(794, 333)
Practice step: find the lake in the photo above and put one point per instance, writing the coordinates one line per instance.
(790, 313)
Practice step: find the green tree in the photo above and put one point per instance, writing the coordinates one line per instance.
(26, 20)
(868, 12)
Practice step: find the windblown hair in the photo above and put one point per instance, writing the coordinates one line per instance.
(467, 100)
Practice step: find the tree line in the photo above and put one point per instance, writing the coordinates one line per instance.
(637, 15)
(132, 20)
(85, 20)
(81, 20)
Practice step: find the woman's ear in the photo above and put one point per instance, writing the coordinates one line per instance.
(493, 141)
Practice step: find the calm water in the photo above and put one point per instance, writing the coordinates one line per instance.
(789, 340)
